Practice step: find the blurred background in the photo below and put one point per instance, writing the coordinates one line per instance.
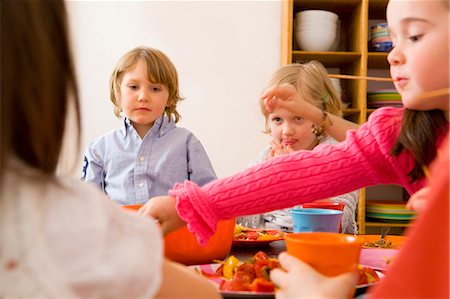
(225, 53)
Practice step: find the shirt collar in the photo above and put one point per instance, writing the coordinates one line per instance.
(161, 126)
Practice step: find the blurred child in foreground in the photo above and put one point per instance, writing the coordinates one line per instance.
(60, 238)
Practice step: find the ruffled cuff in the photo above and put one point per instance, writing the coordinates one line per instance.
(193, 207)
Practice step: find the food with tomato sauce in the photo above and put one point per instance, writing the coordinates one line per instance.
(253, 234)
(254, 274)
(250, 275)
(367, 275)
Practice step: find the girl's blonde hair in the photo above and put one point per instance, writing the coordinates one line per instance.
(160, 70)
(312, 83)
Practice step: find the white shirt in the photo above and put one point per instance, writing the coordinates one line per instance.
(67, 240)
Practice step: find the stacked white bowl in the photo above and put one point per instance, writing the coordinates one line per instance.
(315, 30)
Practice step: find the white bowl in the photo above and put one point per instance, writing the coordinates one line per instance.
(315, 24)
(317, 31)
(314, 14)
(316, 27)
(312, 40)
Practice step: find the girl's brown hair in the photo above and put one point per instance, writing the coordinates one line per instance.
(312, 83)
(37, 83)
(418, 135)
(160, 70)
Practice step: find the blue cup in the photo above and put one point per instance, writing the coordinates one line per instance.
(316, 220)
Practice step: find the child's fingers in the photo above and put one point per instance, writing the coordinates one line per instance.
(275, 145)
(281, 91)
(278, 277)
(289, 262)
(270, 103)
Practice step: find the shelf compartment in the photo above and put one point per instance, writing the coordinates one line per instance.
(377, 9)
(377, 60)
(329, 59)
(390, 224)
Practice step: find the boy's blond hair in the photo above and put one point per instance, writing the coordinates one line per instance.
(160, 70)
(312, 83)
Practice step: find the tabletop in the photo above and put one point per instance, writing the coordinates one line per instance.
(272, 249)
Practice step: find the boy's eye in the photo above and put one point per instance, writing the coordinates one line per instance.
(132, 87)
(298, 118)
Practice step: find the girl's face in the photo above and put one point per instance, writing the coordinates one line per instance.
(141, 100)
(420, 58)
(288, 129)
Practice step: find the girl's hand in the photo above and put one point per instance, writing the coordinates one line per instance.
(279, 149)
(283, 96)
(302, 281)
(418, 200)
(162, 208)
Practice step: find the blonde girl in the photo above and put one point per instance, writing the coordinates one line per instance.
(291, 132)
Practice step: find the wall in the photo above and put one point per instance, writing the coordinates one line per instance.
(224, 51)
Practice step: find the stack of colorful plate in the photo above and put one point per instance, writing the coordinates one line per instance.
(388, 210)
(383, 97)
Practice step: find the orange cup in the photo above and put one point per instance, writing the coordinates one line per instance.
(181, 245)
(329, 253)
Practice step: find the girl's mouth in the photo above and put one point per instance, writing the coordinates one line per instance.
(288, 142)
(401, 82)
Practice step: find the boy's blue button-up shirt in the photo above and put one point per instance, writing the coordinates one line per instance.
(131, 170)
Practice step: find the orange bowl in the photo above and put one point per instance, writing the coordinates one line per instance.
(181, 245)
(329, 253)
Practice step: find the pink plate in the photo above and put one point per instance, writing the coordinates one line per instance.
(208, 270)
(377, 258)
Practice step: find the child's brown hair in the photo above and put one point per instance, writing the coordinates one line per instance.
(160, 70)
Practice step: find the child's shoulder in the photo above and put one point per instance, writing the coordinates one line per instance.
(108, 138)
(386, 119)
(386, 116)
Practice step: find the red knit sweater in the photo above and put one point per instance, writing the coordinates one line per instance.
(362, 160)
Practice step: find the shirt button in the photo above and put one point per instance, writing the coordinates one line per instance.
(141, 158)
(141, 185)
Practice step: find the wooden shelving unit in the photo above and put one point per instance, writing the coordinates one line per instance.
(352, 57)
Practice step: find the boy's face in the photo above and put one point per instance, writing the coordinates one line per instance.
(420, 58)
(141, 100)
(289, 129)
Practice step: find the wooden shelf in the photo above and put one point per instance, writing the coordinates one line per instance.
(353, 58)
(377, 60)
(390, 224)
(329, 59)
